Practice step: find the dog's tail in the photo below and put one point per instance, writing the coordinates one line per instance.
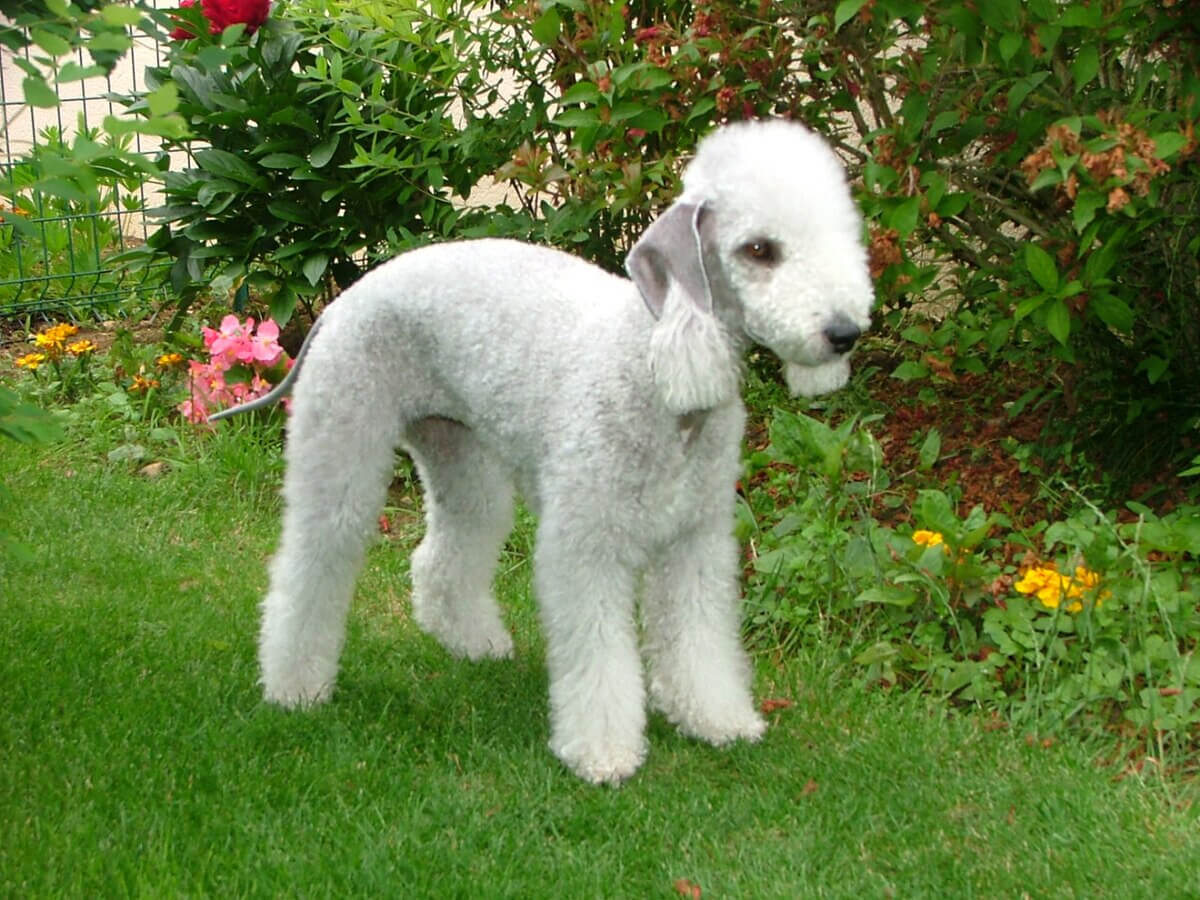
(276, 393)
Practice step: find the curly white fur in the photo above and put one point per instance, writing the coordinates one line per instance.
(611, 405)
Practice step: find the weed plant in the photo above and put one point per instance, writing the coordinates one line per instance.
(1088, 623)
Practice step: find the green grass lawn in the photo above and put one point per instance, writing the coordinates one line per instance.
(139, 760)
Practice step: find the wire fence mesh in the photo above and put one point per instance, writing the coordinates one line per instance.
(61, 260)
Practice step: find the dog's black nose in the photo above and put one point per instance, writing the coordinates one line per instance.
(841, 334)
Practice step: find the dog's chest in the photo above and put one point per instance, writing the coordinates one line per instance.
(684, 473)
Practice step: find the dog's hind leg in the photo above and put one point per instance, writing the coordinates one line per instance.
(699, 673)
(468, 514)
(338, 467)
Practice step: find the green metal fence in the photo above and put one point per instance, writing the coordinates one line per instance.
(61, 257)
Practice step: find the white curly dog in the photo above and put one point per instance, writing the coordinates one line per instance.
(612, 406)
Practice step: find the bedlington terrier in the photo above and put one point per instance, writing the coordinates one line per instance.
(611, 405)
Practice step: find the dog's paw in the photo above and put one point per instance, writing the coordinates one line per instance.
(603, 763)
(291, 695)
(474, 633)
(497, 645)
(748, 726)
(475, 645)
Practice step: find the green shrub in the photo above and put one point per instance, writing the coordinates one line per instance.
(1030, 175)
(603, 102)
(314, 144)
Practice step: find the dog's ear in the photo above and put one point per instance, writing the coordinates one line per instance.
(671, 255)
(695, 365)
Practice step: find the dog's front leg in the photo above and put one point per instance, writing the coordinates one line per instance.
(700, 675)
(597, 701)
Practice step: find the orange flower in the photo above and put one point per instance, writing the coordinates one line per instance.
(927, 538)
(1052, 587)
(141, 384)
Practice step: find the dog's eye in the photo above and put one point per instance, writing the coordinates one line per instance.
(761, 251)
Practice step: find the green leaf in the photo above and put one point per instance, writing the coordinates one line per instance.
(25, 423)
(120, 15)
(917, 334)
(38, 93)
(225, 165)
(1009, 44)
(115, 41)
(881, 652)
(943, 120)
(1112, 311)
(1079, 16)
(577, 118)
(1085, 65)
(1019, 91)
(1046, 178)
(702, 107)
(73, 71)
(903, 216)
(1168, 143)
(931, 449)
(581, 92)
(281, 161)
(547, 26)
(846, 10)
(314, 267)
(51, 43)
(1154, 366)
(888, 595)
(1087, 204)
(1058, 321)
(933, 510)
(289, 211)
(163, 100)
(1041, 266)
(910, 371)
(323, 152)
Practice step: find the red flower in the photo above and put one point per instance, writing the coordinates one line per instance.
(223, 13)
(180, 33)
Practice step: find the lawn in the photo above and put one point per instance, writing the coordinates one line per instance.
(139, 759)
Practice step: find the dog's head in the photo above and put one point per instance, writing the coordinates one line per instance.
(764, 244)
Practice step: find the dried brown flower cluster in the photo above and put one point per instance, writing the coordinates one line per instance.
(1131, 161)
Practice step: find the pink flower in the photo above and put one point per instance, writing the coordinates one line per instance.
(264, 346)
(233, 344)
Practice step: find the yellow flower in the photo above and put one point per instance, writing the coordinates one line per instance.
(927, 538)
(170, 359)
(30, 361)
(79, 348)
(1051, 587)
(54, 338)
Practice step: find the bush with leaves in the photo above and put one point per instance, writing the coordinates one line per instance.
(599, 104)
(1028, 170)
(314, 143)
(1031, 170)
